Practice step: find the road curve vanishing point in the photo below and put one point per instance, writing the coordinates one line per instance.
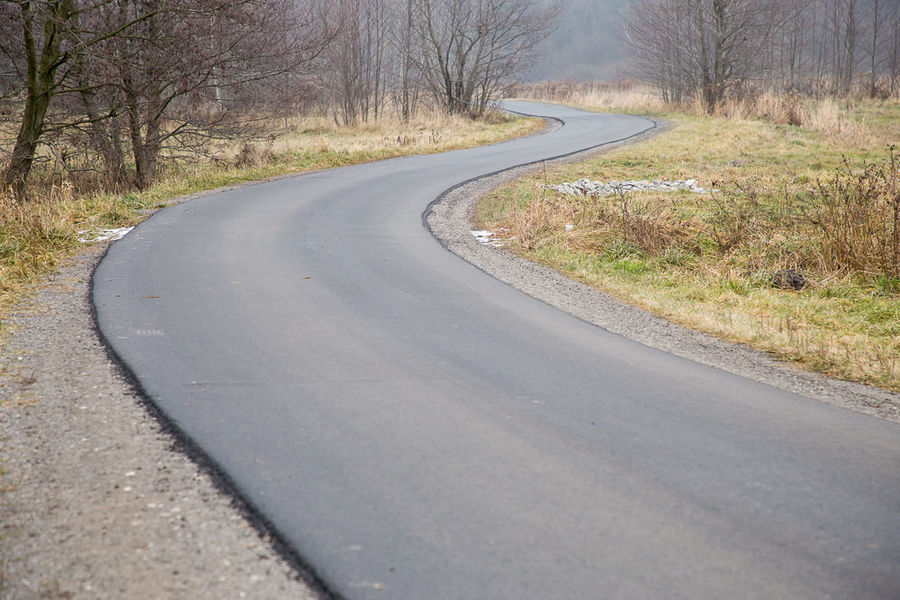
(413, 428)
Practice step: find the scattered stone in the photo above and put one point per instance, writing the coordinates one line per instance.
(586, 187)
(788, 279)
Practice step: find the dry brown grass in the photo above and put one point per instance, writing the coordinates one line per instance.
(838, 117)
(821, 200)
(855, 217)
(621, 96)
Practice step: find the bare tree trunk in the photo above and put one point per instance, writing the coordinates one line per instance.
(145, 147)
(102, 139)
(709, 100)
(873, 51)
(41, 79)
(103, 135)
(849, 45)
(406, 51)
(822, 51)
(844, 24)
(719, 51)
(895, 50)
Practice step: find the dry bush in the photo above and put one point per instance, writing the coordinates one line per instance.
(251, 155)
(494, 117)
(541, 217)
(648, 223)
(827, 116)
(785, 109)
(846, 226)
(33, 237)
(856, 219)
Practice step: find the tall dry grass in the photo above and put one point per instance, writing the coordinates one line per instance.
(625, 96)
(846, 225)
(856, 220)
(830, 115)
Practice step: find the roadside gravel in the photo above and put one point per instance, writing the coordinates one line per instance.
(450, 220)
(97, 499)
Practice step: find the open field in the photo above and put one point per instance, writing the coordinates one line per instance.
(821, 198)
(37, 236)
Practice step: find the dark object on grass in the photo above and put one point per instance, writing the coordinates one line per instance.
(788, 279)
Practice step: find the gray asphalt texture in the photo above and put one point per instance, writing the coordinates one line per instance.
(414, 428)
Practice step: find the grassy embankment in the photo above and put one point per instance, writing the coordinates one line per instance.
(799, 197)
(37, 236)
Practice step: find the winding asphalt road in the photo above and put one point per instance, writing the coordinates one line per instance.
(415, 429)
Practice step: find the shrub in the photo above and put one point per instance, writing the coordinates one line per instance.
(857, 218)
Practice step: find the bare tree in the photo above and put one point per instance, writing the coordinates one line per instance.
(659, 30)
(180, 64)
(471, 47)
(51, 41)
(44, 54)
(355, 78)
(701, 47)
(407, 55)
(843, 28)
(167, 67)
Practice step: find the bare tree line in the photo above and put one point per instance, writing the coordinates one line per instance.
(117, 82)
(141, 74)
(460, 53)
(712, 49)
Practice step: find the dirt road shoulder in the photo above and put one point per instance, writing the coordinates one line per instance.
(96, 499)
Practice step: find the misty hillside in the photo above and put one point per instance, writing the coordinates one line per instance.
(587, 44)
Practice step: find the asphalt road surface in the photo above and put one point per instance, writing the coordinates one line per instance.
(415, 429)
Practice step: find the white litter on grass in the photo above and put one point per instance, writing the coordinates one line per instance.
(487, 238)
(101, 235)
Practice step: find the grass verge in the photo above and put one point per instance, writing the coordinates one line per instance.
(820, 199)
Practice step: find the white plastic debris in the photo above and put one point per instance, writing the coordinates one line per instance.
(101, 235)
(487, 238)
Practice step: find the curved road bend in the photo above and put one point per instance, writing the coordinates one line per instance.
(416, 429)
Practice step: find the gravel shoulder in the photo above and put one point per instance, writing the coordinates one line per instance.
(450, 220)
(97, 498)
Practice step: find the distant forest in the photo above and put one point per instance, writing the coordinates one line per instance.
(587, 44)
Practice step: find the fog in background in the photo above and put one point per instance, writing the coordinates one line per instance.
(587, 44)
